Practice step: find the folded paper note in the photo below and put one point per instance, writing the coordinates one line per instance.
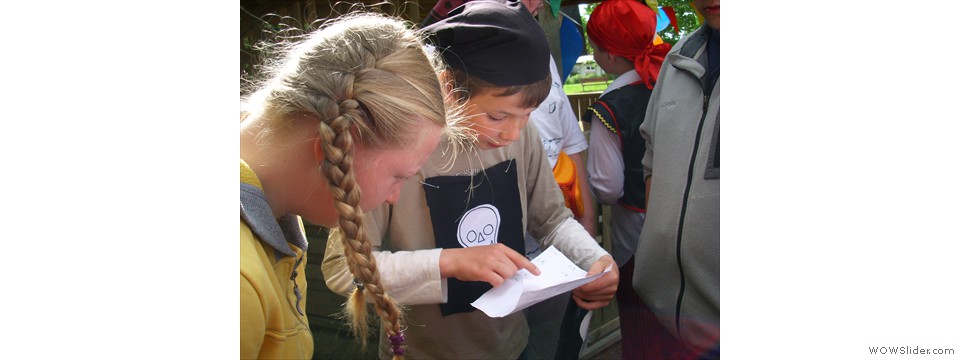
(557, 276)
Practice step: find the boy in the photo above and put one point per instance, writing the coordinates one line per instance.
(456, 229)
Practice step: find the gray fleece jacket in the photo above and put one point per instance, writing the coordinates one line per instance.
(677, 270)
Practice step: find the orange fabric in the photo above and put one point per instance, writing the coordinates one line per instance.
(565, 172)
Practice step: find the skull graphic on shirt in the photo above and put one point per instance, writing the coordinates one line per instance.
(479, 226)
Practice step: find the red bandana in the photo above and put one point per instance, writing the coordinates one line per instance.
(626, 28)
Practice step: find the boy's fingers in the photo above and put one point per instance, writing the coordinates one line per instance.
(589, 305)
(494, 280)
(522, 262)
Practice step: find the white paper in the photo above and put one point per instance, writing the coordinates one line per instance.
(584, 326)
(557, 276)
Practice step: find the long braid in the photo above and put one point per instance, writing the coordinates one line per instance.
(338, 169)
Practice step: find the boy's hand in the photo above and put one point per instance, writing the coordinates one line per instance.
(492, 264)
(599, 292)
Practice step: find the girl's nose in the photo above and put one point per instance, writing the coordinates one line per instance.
(394, 196)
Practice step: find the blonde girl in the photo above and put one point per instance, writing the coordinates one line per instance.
(351, 111)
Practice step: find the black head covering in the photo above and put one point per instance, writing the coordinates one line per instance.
(441, 10)
(496, 41)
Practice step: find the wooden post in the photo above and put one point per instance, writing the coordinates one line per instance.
(551, 26)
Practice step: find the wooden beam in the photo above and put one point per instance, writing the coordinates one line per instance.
(551, 26)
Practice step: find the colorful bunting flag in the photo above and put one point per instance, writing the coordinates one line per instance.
(672, 15)
(554, 7)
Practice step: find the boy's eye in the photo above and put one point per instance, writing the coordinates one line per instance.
(496, 118)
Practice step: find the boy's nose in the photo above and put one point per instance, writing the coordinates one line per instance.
(510, 135)
(513, 133)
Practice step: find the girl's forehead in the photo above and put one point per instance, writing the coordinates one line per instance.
(407, 157)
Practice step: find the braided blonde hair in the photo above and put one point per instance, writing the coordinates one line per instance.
(368, 79)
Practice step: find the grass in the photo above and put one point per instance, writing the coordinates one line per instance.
(587, 87)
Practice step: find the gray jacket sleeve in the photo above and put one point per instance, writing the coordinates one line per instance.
(648, 127)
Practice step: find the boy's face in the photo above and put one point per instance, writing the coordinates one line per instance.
(498, 120)
(710, 9)
(609, 62)
(601, 57)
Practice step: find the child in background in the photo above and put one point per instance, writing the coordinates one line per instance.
(355, 105)
(458, 230)
(621, 33)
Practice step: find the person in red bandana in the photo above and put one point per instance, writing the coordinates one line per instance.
(622, 34)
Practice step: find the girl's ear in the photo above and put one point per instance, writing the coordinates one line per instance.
(446, 80)
(318, 150)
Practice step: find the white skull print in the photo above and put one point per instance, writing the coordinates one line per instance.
(479, 226)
